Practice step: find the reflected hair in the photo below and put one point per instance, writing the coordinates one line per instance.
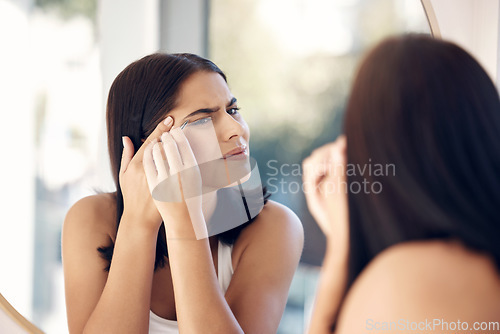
(427, 107)
(140, 98)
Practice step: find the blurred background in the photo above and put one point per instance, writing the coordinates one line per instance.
(290, 63)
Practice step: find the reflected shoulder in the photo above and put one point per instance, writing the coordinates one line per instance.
(423, 280)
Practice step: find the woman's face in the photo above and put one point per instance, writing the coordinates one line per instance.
(206, 94)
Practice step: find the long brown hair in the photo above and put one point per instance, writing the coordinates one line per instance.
(140, 97)
(429, 109)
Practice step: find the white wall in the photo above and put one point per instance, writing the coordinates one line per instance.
(474, 25)
(128, 30)
(131, 29)
(498, 51)
(17, 167)
(183, 26)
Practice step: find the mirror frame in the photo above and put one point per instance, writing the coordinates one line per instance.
(16, 317)
(431, 18)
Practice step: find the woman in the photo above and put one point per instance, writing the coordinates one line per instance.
(128, 268)
(420, 251)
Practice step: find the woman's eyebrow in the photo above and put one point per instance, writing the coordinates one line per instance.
(209, 110)
(202, 111)
(233, 101)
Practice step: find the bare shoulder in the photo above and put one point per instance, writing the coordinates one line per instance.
(275, 219)
(275, 225)
(92, 215)
(274, 212)
(89, 224)
(423, 280)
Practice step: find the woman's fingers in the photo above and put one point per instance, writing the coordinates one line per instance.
(149, 166)
(164, 126)
(338, 159)
(342, 142)
(166, 157)
(127, 153)
(339, 150)
(187, 155)
(171, 153)
(324, 180)
(315, 169)
(307, 175)
(160, 163)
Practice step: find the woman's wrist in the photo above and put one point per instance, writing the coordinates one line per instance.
(140, 223)
(336, 254)
(180, 227)
(188, 224)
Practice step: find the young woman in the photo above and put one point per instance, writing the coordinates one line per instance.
(130, 267)
(419, 251)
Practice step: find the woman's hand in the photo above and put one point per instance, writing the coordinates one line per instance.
(175, 183)
(325, 188)
(137, 201)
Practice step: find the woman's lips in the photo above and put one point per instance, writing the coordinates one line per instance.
(239, 152)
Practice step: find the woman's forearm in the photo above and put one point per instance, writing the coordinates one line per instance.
(331, 289)
(125, 301)
(200, 303)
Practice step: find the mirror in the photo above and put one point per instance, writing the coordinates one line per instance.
(289, 62)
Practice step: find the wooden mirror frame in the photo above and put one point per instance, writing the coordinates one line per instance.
(16, 317)
(431, 18)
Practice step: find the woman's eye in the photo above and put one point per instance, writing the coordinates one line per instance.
(233, 111)
(202, 121)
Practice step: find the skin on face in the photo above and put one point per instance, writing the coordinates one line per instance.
(206, 94)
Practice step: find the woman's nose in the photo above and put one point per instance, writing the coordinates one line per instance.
(229, 127)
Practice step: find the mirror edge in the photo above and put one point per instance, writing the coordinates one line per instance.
(431, 18)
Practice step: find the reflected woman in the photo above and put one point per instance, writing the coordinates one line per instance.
(129, 265)
(426, 246)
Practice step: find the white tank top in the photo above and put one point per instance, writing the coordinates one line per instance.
(158, 325)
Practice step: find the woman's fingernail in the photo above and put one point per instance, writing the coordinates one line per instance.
(168, 121)
(123, 141)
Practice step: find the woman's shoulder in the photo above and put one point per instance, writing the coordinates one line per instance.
(433, 264)
(93, 214)
(276, 226)
(276, 218)
(424, 280)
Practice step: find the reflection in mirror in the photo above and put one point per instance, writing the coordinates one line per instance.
(291, 64)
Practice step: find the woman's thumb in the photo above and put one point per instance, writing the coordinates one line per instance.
(127, 154)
